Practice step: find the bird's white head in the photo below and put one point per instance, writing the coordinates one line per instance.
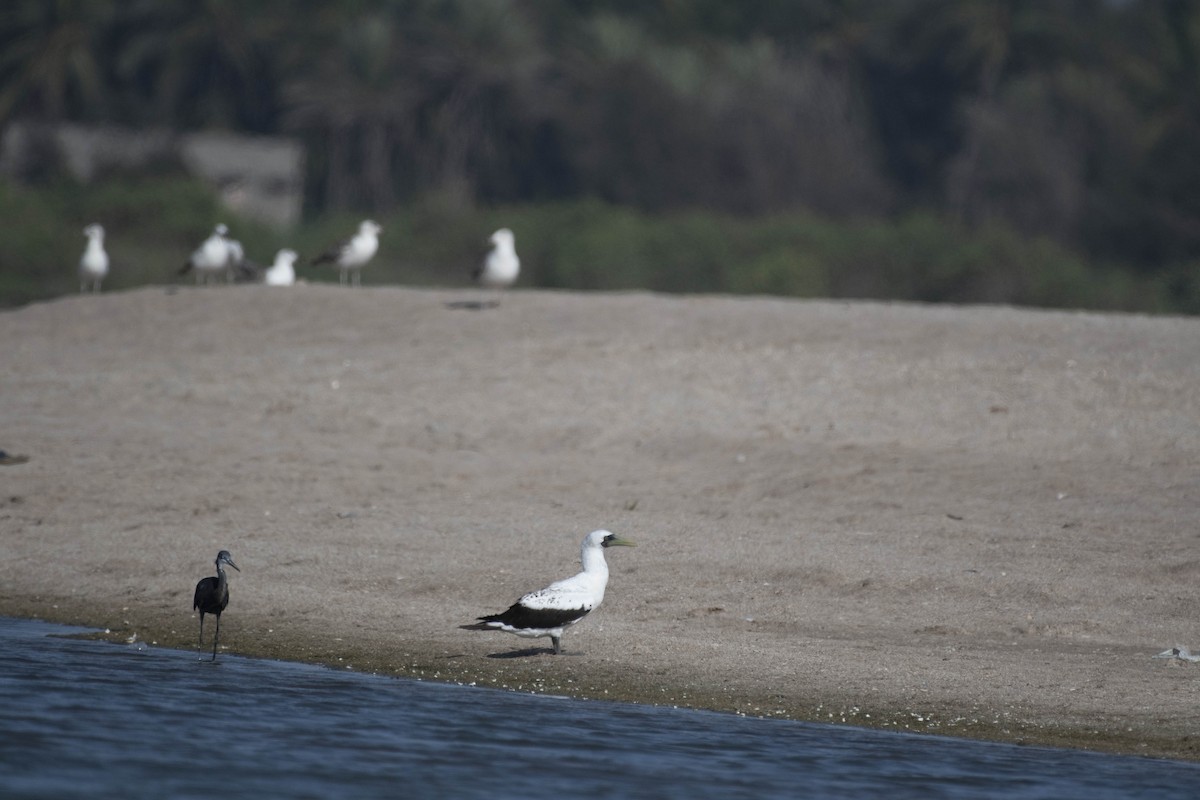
(285, 257)
(220, 230)
(94, 231)
(503, 238)
(369, 226)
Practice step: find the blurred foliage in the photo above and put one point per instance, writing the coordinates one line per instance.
(1032, 151)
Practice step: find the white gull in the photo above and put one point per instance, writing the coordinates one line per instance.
(283, 271)
(212, 258)
(502, 265)
(93, 264)
(351, 254)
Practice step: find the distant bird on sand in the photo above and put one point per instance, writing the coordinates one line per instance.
(1181, 653)
(93, 264)
(212, 259)
(237, 266)
(547, 612)
(283, 271)
(212, 595)
(352, 253)
(11, 459)
(501, 266)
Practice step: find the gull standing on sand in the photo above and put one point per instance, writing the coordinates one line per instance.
(283, 271)
(93, 264)
(351, 254)
(547, 612)
(212, 258)
(501, 267)
(237, 266)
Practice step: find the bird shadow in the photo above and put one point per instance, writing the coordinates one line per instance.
(531, 651)
(472, 305)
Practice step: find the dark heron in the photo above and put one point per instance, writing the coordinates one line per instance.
(212, 595)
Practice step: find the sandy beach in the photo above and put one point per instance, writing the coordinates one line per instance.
(968, 521)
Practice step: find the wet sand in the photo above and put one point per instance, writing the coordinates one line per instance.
(971, 521)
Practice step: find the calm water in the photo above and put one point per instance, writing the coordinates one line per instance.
(84, 718)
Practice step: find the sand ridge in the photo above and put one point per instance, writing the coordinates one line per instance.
(976, 521)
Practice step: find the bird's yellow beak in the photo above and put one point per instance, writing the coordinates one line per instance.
(617, 541)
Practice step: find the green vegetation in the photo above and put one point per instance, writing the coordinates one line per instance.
(944, 150)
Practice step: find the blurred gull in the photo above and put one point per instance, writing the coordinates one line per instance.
(283, 271)
(212, 258)
(237, 266)
(501, 267)
(93, 264)
(351, 254)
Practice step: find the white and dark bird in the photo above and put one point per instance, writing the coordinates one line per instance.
(283, 271)
(352, 253)
(1181, 653)
(211, 259)
(237, 266)
(93, 264)
(212, 596)
(548, 612)
(501, 266)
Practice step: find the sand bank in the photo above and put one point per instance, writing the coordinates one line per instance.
(971, 521)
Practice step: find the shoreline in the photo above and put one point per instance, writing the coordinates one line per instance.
(605, 682)
(963, 521)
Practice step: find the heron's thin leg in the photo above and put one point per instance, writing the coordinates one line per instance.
(216, 637)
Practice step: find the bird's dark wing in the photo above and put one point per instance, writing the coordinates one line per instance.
(332, 254)
(205, 589)
(247, 271)
(519, 616)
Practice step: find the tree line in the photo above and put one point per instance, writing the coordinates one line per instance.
(1075, 121)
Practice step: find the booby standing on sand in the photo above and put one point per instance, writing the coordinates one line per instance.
(501, 267)
(93, 264)
(351, 254)
(211, 258)
(547, 612)
(283, 271)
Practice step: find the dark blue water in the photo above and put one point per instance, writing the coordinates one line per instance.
(83, 718)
